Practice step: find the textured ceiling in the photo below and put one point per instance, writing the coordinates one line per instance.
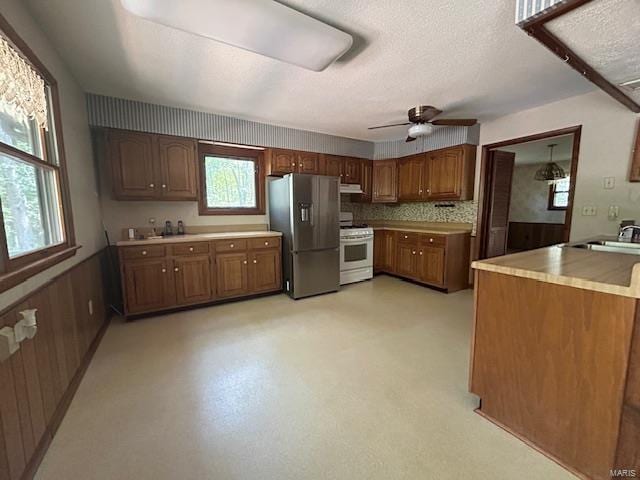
(538, 151)
(606, 35)
(466, 57)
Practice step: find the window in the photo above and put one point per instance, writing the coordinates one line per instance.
(559, 194)
(232, 180)
(35, 231)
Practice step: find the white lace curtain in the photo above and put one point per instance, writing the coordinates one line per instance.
(21, 88)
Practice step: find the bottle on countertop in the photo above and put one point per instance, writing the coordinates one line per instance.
(180, 227)
(168, 229)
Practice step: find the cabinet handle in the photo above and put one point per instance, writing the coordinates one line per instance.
(144, 252)
(413, 252)
(151, 185)
(164, 270)
(244, 261)
(191, 249)
(255, 261)
(176, 269)
(420, 252)
(266, 243)
(164, 185)
(231, 245)
(406, 236)
(431, 240)
(428, 190)
(293, 164)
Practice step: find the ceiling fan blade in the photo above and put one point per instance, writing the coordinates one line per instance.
(410, 139)
(464, 122)
(392, 125)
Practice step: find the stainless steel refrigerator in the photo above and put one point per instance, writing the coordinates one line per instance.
(306, 209)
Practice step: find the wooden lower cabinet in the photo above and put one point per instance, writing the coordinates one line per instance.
(232, 270)
(148, 285)
(193, 279)
(438, 260)
(156, 278)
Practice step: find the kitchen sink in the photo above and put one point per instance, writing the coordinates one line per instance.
(610, 246)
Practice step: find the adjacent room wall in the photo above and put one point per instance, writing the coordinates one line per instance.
(608, 131)
(530, 197)
(77, 142)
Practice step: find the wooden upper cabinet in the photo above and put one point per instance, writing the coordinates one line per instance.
(134, 171)
(450, 173)
(352, 170)
(177, 158)
(280, 161)
(366, 167)
(334, 166)
(308, 162)
(385, 181)
(193, 279)
(411, 178)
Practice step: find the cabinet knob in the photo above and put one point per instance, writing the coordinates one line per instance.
(293, 164)
(431, 240)
(231, 245)
(176, 269)
(191, 249)
(428, 190)
(164, 185)
(151, 185)
(266, 243)
(406, 236)
(144, 252)
(420, 252)
(244, 261)
(164, 270)
(255, 261)
(413, 252)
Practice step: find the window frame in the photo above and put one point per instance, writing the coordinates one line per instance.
(552, 196)
(17, 269)
(257, 156)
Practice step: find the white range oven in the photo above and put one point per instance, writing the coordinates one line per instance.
(356, 250)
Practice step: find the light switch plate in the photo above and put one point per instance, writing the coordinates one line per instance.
(609, 183)
(589, 211)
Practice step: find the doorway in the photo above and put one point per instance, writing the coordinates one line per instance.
(527, 187)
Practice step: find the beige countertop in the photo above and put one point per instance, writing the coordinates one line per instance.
(616, 273)
(198, 237)
(436, 228)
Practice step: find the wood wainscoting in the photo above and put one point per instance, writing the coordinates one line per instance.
(530, 235)
(38, 382)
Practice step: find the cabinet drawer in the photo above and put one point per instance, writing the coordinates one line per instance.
(435, 240)
(266, 242)
(143, 251)
(190, 248)
(408, 237)
(231, 245)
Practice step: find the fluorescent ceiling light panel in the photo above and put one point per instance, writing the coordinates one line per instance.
(261, 26)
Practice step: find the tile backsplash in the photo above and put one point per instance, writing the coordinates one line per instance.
(461, 212)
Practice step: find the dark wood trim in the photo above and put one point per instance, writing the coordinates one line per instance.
(484, 179)
(550, 205)
(258, 158)
(63, 406)
(535, 27)
(634, 171)
(11, 279)
(61, 168)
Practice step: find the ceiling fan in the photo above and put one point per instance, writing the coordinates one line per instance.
(420, 119)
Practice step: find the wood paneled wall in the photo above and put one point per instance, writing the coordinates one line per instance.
(39, 380)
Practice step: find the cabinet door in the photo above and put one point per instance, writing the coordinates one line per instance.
(379, 253)
(410, 177)
(431, 265)
(390, 251)
(282, 161)
(406, 260)
(193, 279)
(132, 165)
(265, 273)
(333, 166)
(365, 182)
(177, 158)
(444, 175)
(352, 170)
(385, 181)
(308, 162)
(232, 274)
(149, 285)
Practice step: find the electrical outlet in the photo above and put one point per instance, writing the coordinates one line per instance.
(90, 307)
(589, 211)
(614, 212)
(609, 183)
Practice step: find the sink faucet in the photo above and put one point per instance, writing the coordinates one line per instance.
(623, 230)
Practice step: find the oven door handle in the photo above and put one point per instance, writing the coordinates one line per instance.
(356, 239)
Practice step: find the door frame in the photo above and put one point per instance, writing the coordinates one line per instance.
(483, 199)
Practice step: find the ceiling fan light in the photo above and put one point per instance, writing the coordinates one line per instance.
(265, 27)
(420, 129)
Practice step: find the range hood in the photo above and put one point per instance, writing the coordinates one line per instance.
(350, 188)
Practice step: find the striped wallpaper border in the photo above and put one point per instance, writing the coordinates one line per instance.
(114, 112)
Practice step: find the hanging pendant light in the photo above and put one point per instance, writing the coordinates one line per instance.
(550, 172)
